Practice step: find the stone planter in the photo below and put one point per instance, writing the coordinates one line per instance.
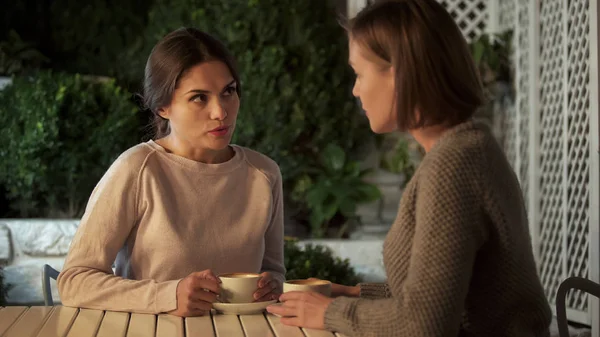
(4, 81)
(25, 246)
(377, 217)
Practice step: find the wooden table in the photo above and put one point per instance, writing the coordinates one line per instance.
(59, 321)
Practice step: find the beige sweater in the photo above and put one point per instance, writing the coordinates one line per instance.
(162, 217)
(458, 257)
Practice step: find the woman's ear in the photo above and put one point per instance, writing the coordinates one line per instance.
(164, 113)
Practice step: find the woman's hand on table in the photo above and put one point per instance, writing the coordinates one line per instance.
(302, 309)
(196, 293)
(269, 288)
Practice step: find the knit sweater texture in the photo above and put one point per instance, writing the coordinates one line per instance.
(458, 258)
(159, 217)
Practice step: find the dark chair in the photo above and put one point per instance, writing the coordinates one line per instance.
(47, 274)
(561, 296)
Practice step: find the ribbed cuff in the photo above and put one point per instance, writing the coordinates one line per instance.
(374, 290)
(166, 296)
(338, 316)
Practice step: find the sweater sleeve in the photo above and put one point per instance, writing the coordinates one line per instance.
(87, 279)
(374, 290)
(273, 256)
(449, 230)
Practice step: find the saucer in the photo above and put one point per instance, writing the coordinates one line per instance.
(242, 308)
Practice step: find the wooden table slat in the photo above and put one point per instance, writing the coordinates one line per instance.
(337, 334)
(169, 326)
(8, 316)
(114, 324)
(141, 325)
(283, 330)
(86, 323)
(317, 333)
(227, 326)
(256, 326)
(199, 326)
(30, 322)
(60, 321)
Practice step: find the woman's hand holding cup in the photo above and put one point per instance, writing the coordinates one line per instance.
(196, 293)
(269, 288)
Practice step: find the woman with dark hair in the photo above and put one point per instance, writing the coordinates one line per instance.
(176, 211)
(458, 257)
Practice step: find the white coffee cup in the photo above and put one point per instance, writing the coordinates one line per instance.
(238, 287)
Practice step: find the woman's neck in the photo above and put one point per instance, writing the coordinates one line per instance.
(428, 136)
(183, 148)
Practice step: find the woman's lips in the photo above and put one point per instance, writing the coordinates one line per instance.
(220, 131)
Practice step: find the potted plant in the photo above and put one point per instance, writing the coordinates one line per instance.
(334, 188)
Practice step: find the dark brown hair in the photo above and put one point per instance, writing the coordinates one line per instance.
(168, 62)
(435, 72)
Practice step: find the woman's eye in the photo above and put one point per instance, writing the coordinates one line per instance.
(230, 90)
(201, 98)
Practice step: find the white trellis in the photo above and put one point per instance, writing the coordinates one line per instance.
(471, 16)
(551, 134)
(553, 138)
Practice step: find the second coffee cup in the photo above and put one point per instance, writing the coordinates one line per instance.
(318, 286)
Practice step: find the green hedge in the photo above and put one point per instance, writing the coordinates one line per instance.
(60, 133)
(317, 261)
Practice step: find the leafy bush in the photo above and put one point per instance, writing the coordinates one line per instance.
(296, 84)
(59, 134)
(317, 261)
(336, 190)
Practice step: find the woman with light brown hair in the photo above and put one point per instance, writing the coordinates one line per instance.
(458, 257)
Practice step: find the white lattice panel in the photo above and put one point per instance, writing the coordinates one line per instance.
(521, 40)
(470, 15)
(516, 119)
(557, 156)
(507, 14)
(548, 135)
(578, 146)
(552, 145)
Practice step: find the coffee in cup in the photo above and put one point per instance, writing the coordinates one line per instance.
(318, 286)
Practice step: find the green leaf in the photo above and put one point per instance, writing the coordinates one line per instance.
(369, 193)
(333, 158)
(478, 51)
(348, 208)
(316, 195)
